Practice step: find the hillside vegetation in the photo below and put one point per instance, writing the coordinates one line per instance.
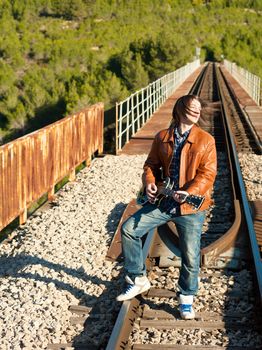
(57, 57)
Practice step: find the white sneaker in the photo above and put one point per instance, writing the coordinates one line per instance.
(140, 285)
(185, 307)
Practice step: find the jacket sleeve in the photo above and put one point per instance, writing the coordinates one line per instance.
(152, 164)
(205, 173)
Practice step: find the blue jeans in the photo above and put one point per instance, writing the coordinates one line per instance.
(189, 228)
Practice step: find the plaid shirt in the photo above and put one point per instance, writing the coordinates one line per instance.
(169, 204)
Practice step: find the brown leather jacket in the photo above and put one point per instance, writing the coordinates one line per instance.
(198, 164)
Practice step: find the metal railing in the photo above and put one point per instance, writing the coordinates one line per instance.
(250, 82)
(134, 111)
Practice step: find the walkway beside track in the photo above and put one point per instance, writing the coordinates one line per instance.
(141, 142)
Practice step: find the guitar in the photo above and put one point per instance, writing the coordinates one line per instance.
(164, 190)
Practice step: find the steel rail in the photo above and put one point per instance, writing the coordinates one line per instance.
(244, 200)
(244, 113)
(227, 240)
(120, 334)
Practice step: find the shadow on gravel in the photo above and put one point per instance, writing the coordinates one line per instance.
(98, 323)
(15, 266)
(113, 219)
(103, 308)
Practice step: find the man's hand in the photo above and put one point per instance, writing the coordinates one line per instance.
(180, 196)
(151, 190)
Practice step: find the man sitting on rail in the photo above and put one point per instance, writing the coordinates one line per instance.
(187, 155)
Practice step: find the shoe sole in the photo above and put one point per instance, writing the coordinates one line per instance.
(188, 317)
(142, 291)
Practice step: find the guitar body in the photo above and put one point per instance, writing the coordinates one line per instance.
(165, 190)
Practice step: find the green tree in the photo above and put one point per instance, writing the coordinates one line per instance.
(19, 117)
(133, 72)
(72, 98)
(59, 56)
(68, 9)
(111, 89)
(7, 78)
(5, 9)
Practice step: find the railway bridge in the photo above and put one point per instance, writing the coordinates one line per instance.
(65, 257)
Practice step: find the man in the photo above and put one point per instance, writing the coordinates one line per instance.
(187, 155)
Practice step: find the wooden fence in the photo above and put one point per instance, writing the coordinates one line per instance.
(32, 165)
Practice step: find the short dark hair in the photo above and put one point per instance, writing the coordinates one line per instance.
(181, 106)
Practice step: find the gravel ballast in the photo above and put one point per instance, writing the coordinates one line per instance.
(58, 257)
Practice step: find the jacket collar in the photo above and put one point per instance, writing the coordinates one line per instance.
(192, 137)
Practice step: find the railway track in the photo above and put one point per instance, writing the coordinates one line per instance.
(230, 285)
(226, 316)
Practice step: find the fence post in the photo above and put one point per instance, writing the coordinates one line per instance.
(132, 114)
(147, 103)
(128, 120)
(23, 216)
(137, 111)
(117, 134)
(51, 193)
(143, 109)
(72, 175)
(101, 138)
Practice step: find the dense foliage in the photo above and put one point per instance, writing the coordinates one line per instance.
(57, 57)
